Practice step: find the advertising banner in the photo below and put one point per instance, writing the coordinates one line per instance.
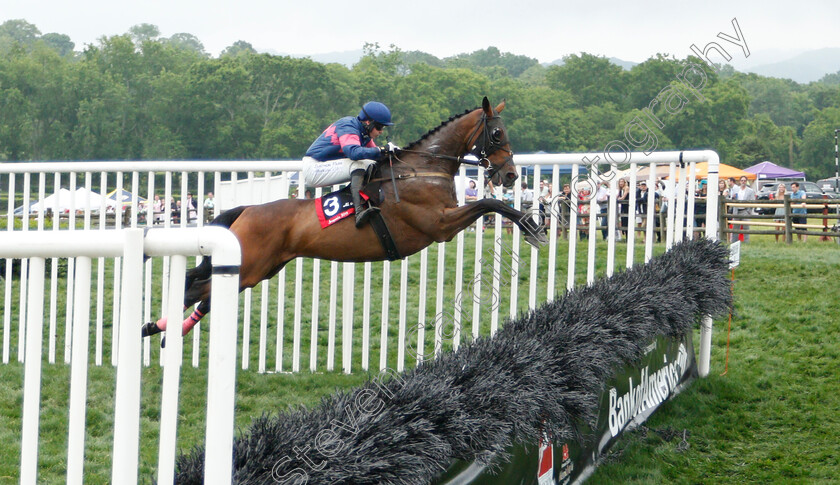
(632, 396)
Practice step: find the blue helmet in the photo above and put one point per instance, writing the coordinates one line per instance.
(376, 111)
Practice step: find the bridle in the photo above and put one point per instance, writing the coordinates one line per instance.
(486, 139)
(490, 140)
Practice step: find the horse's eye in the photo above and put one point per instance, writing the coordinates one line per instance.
(496, 135)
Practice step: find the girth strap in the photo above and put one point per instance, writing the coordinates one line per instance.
(381, 229)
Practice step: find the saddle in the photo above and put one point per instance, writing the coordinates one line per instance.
(338, 205)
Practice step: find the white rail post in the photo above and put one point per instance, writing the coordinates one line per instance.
(711, 233)
(129, 362)
(173, 357)
(221, 372)
(32, 373)
(78, 374)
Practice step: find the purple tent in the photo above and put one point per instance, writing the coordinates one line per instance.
(769, 170)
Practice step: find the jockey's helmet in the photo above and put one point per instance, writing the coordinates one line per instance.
(377, 112)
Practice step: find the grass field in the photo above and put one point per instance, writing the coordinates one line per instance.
(773, 418)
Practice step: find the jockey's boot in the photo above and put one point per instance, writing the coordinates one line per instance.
(150, 328)
(356, 179)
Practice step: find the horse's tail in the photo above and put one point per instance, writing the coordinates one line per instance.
(203, 271)
(227, 218)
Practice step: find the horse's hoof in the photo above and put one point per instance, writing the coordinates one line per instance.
(149, 329)
(536, 239)
(533, 241)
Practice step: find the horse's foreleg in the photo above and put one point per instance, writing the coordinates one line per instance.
(456, 219)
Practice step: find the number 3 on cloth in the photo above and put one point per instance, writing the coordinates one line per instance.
(331, 206)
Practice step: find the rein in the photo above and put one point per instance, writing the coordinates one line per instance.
(413, 174)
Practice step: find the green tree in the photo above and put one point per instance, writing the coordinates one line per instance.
(430, 95)
(592, 80)
(59, 43)
(533, 76)
(238, 48)
(413, 57)
(484, 60)
(187, 42)
(645, 81)
(228, 128)
(782, 99)
(824, 95)
(715, 123)
(14, 123)
(816, 153)
(763, 140)
(18, 31)
(143, 32)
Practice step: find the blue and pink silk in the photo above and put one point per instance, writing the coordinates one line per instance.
(346, 138)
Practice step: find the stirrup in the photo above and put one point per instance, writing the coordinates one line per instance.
(149, 329)
(363, 216)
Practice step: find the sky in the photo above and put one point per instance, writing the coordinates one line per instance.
(543, 29)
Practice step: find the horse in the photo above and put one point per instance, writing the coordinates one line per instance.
(418, 205)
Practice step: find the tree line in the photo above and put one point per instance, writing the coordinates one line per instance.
(141, 96)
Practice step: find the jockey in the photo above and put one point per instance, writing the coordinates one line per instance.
(345, 150)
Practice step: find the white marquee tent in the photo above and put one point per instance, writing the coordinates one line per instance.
(61, 202)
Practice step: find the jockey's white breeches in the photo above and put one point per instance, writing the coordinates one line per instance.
(321, 174)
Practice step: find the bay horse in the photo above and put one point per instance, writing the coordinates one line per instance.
(419, 206)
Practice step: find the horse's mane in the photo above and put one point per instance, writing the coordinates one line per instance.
(438, 128)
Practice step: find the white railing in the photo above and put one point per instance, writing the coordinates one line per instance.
(261, 186)
(130, 245)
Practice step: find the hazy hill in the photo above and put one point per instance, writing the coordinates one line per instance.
(805, 67)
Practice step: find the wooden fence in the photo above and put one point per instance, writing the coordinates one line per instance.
(742, 218)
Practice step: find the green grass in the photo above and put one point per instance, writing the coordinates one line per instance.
(772, 419)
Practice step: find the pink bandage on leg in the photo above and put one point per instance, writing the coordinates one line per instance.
(192, 321)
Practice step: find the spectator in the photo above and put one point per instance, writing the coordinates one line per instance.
(209, 205)
(733, 187)
(471, 192)
(545, 200)
(623, 208)
(780, 211)
(584, 195)
(527, 197)
(700, 206)
(564, 206)
(175, 210)
(799, 214)
(157, 209)
(723, 190)
(602, 197)
(545, 190)
(642, 195)
(745, 193)
(192, 208)
(507, 196)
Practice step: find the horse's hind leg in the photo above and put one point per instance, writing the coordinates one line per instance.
(197, 284)
(152, 328)
(197, 288)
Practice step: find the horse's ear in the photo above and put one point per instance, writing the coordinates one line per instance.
(485, 105)
(500, 107)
